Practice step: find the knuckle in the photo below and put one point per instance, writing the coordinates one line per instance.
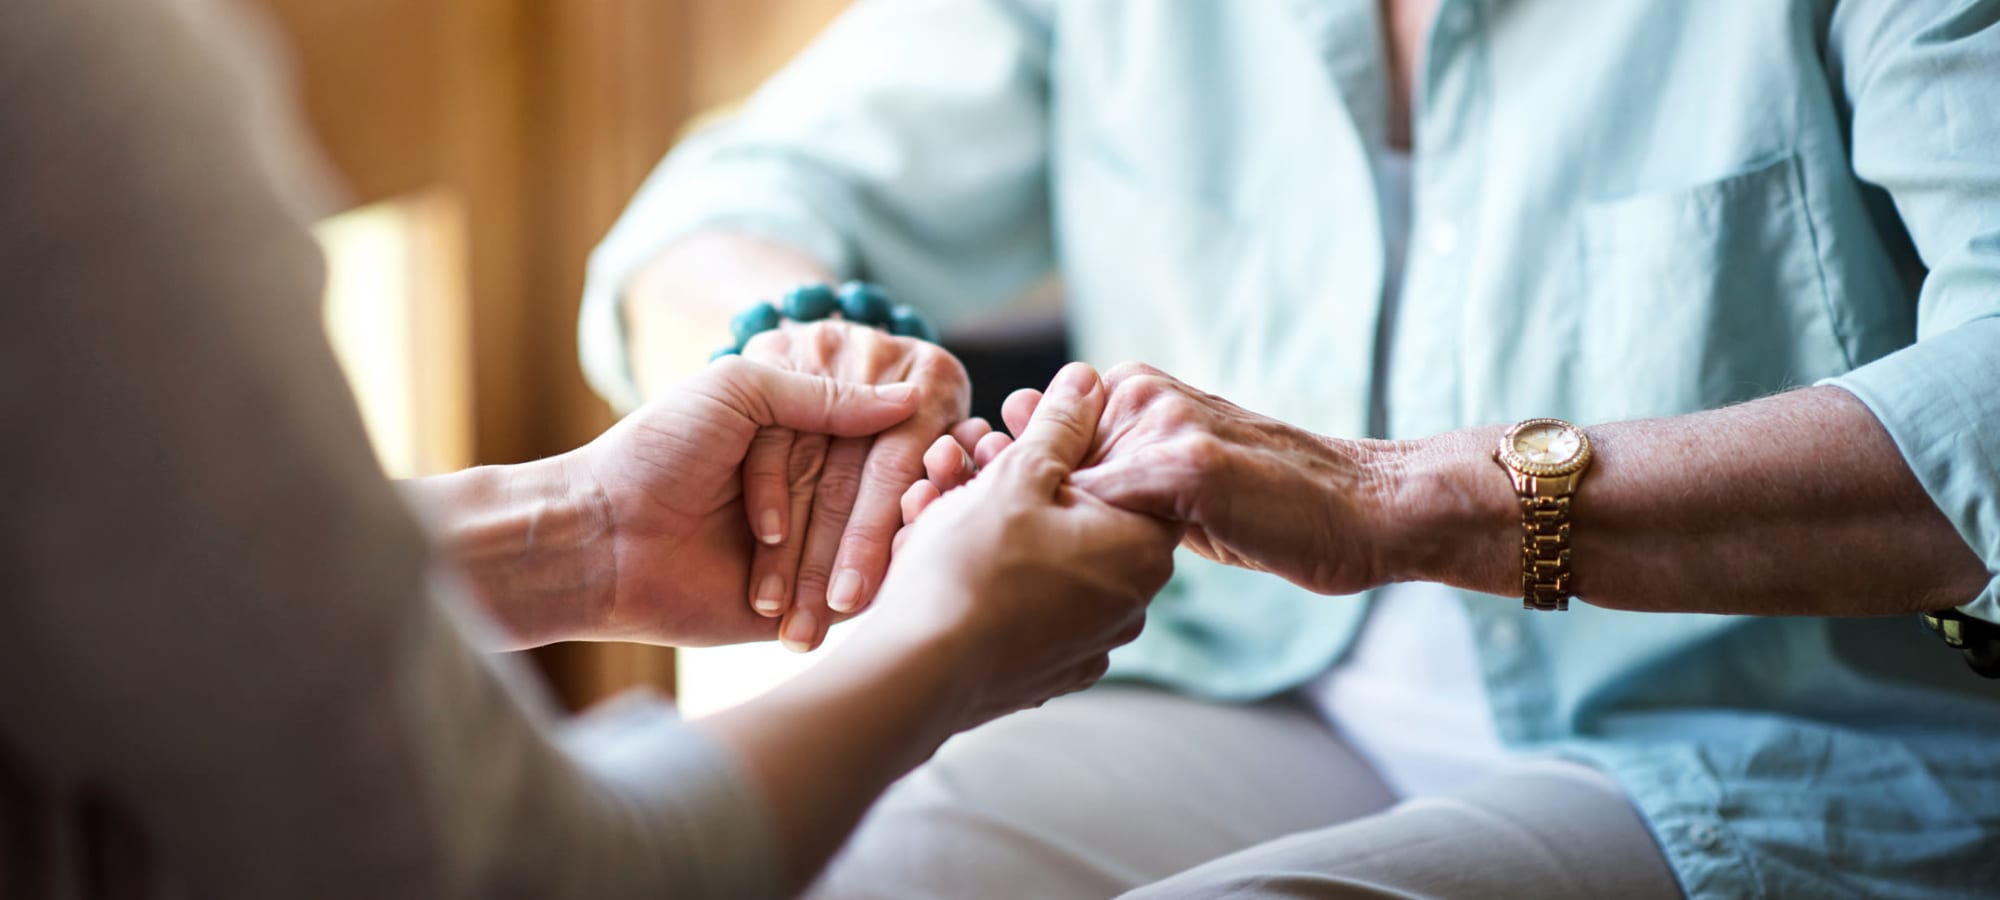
(865, 550)
(1201, 453)
(826, 339)
(803, 483)
(803, 470)
(899, 454)
(1049, 468)
(1146, 394)
(938, 374)
(1065, 421)
(887, 350)
(767, 445)
(770, 346)
(836, 393)
(1177, 410)
(813, 579)
(938, 361)
(765, 485)
(734, 369)
(1039, 468)
(1145, 384)
(834, 497)
(1128, 370)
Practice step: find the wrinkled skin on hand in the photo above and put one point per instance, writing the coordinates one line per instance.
(825, 510)
(1251, 491)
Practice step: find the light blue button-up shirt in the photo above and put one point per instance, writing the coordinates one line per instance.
(1620, 210)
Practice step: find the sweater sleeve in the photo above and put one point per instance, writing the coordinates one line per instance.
(219, 624)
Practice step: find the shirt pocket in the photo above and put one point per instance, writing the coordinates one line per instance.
(1702, 296)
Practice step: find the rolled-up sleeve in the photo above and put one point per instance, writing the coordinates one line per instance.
(908, 145)
(1919, 78)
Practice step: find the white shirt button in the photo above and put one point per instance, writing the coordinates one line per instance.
(1704, 837)
(1443, 239)
(1505, 634)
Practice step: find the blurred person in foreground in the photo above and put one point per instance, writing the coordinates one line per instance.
(235, 665)
(1749, 252)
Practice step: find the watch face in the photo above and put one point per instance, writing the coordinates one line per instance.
(1545, 448)
(1547, 444)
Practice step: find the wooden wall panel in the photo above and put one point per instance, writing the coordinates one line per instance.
(540, 117)
(425, 96)
(372, 81)
(617, 81)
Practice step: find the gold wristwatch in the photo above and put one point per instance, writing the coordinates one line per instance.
(1547, 459)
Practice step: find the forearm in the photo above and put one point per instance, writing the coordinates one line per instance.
(678, 307)
(534, 540)
(1798, 504)
(824, 746)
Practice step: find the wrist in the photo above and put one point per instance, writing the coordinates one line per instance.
(924, 675)
(925, 656)
(536, 542)
(1449, 513)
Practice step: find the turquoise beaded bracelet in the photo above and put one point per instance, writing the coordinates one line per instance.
(855, 301)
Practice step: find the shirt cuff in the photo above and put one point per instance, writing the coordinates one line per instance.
(1940, 401)
(762, 194)
(713, 835)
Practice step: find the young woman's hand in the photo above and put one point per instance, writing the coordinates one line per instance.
(1025, 582)
(671, 483)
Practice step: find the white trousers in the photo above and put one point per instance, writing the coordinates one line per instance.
(1125, 789)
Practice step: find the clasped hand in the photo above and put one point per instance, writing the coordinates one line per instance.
(1249, 490)
(661, 516)
(824, 507)
(1023, 582)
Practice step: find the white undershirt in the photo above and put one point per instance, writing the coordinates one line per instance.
(1408, 695)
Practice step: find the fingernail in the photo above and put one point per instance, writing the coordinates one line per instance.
(846, 594)
(798, 632)
(770, 529)
(897, 393)
(770, 595)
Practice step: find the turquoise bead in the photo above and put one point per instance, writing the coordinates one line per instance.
(907, 322)
(864, 304)
(726, 351)
(810, 303)
(754, 321)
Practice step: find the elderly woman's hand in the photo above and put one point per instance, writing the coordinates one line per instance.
(1252, 491)
(825, 509)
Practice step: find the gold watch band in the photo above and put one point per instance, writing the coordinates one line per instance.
(1545, 553)
(1546, 458)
